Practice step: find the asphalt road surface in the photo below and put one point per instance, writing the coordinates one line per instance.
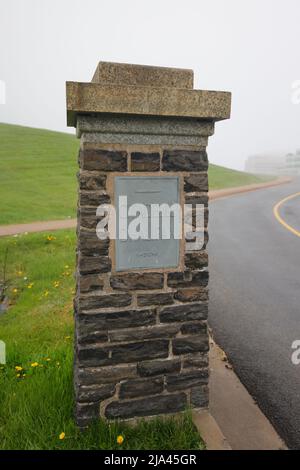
(255, 297)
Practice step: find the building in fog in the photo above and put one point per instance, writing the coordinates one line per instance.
(288, 164)
(292, 164)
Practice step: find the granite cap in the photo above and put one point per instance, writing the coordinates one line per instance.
(128, 89)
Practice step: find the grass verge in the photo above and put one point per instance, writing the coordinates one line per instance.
(36, 391)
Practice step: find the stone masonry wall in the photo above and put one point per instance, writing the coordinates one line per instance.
(141, 336)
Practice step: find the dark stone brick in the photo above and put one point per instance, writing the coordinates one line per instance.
(93, 198)
(145, 161)
(155, 299)
(91, 180)
(104, 375)
(103, 160)
(87, 217)
(200, 396)
(91, 302)
(86, 413)
(95, 393)
(90, 245)
(191, 344)
(162, 404)
(182, 313)
(186, 380)
(141, 387)
(139, 351)
(194, 200)
(151, 368)
(196, 183)
(89, 283)
(117, 320)
(94, 264)
(193, 294)
(184, 160)
(188, 279)
(93, 356)
(137, 281)
(197, 361)
(193, 328)
(156, 331)
(88, 334)
(196, 260)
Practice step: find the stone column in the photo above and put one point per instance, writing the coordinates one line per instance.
(141, 341)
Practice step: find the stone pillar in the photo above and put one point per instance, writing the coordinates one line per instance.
(141, 342)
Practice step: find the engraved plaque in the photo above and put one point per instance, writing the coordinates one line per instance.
(146, 253)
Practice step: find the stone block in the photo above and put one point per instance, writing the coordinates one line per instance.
(161, 404)
(93, 302)
(186, 380)
(192, 294)
(95, 159)
(145, 161)
(197, 182)
(141, 387)
(188, 345)
(200, 396)
(152, 368)
(137, 281)
(184, 313)
(184, 160)
(165, 298)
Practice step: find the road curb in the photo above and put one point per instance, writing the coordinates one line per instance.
(240, 420)
(209, 431)
(220, 193)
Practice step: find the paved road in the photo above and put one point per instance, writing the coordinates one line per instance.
(255, 298)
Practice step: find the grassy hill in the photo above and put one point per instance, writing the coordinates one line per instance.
(38, 175)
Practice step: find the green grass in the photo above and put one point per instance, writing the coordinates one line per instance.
(220, 178)
(37, 407)
(38, 175)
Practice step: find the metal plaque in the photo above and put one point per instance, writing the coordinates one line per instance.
(141, 253)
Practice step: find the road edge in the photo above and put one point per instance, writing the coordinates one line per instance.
(220, 193)
(239, 418)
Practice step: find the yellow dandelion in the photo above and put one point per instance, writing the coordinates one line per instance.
(18, 368)
(15, 290)
(120, 439)
(34, 364)
(56, 283)
(18, 375)
(62, 436)
(46, 293)
(30, 286)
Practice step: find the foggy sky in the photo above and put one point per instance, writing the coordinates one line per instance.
(248, 47)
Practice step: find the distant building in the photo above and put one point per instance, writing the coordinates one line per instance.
(264, 164)
(274, 165)
(292, 166)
